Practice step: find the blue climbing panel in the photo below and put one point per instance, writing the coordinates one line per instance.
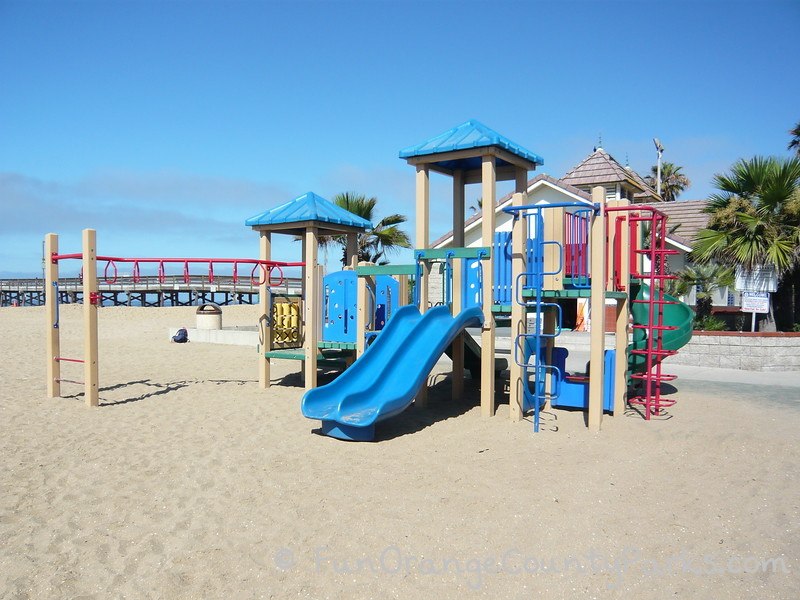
(503, 285)
(339, 307)
(387, 299)
(339, 311)
(471, 283)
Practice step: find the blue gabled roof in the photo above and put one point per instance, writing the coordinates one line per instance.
(471, 134)
(308, 207)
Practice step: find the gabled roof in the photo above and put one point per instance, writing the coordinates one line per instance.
(469, 135)
(308, 208)
(649, 194)
(541, 179)
(599, 168)
(689, 215)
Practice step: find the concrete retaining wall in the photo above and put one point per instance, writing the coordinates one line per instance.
(236, 336)
(746, 351)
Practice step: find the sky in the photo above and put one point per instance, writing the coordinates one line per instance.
(164, 125)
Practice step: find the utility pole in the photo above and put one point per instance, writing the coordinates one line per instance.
(660, 150)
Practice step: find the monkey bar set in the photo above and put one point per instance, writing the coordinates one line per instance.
(261, 275)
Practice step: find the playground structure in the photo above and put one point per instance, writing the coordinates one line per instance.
(596, 250)
(604, 251)
(261, 274)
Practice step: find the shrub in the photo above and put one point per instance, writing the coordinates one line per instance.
(709, 324)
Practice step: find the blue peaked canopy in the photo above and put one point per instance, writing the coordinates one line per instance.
(308, 208)
(469, 135)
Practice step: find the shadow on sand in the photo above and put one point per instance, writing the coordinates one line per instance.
(154, 389)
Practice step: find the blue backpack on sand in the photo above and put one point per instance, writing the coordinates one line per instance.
(181, 337)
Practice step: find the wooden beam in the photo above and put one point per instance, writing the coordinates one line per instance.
(504, 173)
(489, 193)
(431, 160)
(553, 255)
(91, 302)
(53, 337)
(403, 290)
(423, 230)
(264, 310)
(519, 327)
(598, 310)
(312, 312)
(422, 241)
(299, 228)
(458, 271)
(620, 374)
(549, 324)
(363, 313)
(623, 314)
(352, 250)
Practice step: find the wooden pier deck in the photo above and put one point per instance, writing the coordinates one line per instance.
(147, 291)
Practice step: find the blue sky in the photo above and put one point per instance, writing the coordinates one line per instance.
(165, 124)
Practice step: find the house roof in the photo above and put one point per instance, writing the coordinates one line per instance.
(507, 198)
(689, 215)
(306, 209)
(649, 194)
(469, 135)
(600, 168)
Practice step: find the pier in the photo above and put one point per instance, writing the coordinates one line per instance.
(146, 291)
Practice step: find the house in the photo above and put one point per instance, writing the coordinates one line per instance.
(620, 182)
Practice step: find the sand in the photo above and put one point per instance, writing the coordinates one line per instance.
(190, 482)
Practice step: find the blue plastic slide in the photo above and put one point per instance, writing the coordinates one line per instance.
(384, 380)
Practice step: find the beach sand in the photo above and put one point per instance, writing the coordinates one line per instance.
(190, 482)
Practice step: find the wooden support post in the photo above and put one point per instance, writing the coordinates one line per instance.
(91, 302)
(598, 310)
(422, 242)
(610, 236)
(549, 328)
(621, 366)
(312, 312)
(53, 338)
(264, 313)
(403, 290)
(519, 235)
(458, 273)
(423, 231)
(364, 309)
(553, 255)
(352, 250)
(623, 315)
(489, 191)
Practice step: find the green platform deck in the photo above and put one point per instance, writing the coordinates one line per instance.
(332, 354)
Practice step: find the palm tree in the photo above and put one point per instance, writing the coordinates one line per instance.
(755, 221)
(707, 279)
(673, 182)
(383, 238)
(795, 141)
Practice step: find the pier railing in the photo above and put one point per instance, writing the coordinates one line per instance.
(166, 288)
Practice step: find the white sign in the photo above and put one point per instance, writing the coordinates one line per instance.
(755, 302)
(760, 279)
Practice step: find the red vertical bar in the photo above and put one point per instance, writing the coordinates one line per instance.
(618, 254)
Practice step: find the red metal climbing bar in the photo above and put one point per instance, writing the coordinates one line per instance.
(654, 352)
(74, 360)
(265, 267)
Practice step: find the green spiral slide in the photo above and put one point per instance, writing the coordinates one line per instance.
(677, 315)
